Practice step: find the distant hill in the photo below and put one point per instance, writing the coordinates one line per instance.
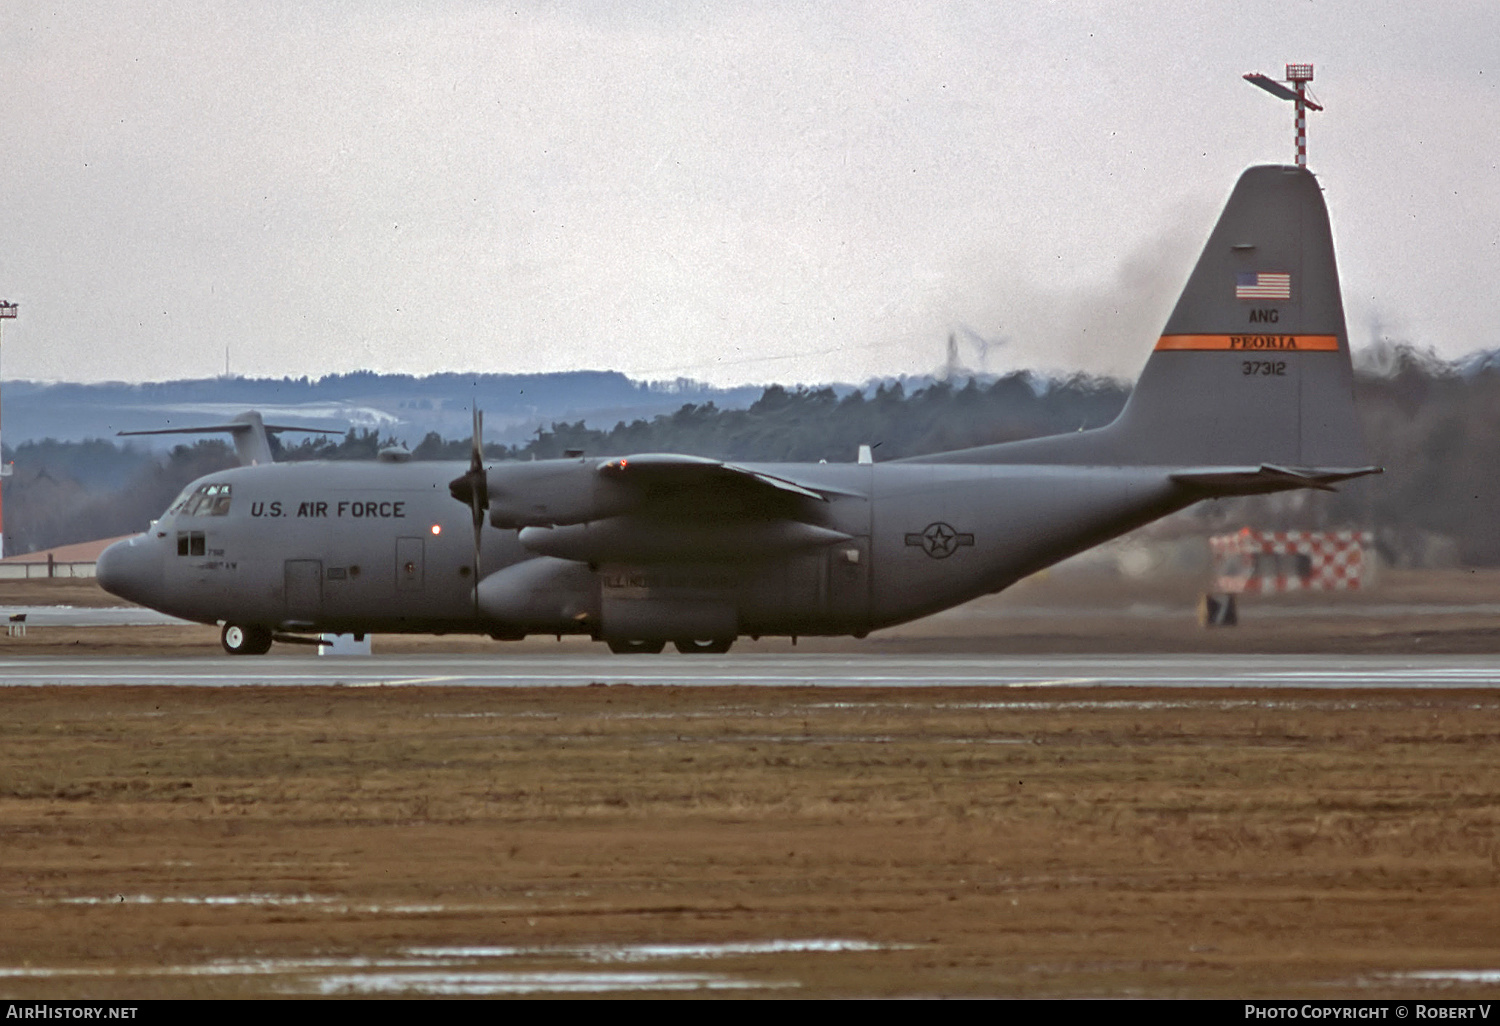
(407, 407)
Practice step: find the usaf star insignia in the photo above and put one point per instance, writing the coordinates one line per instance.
(939, 540)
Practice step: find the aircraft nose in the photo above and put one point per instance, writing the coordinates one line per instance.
(131, 569)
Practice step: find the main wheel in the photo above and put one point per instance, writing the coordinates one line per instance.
(706, 646)
(621, 646)
(241, 640)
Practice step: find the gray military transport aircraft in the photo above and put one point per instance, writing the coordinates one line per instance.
(1248, 390)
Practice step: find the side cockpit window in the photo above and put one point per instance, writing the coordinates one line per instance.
(210, 500)
(179, 502)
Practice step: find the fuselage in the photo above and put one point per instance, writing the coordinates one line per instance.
(370, 548)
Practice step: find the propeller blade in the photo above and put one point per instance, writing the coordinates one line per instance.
(473, 490)
(479, 495)
(476, 454)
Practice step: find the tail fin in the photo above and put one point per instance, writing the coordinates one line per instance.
(1253, 365)
(249, 431)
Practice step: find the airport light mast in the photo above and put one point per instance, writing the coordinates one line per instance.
(1297, 76)
(7, 312)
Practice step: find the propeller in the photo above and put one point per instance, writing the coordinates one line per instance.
(473, 489)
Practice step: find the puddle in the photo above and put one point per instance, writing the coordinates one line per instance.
(320, 903)
(213, 899)
(253, 967)
(1442, 977)
(483, 984)
(460, 971)
(646, 952)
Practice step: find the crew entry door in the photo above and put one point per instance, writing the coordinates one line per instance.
(304, 589)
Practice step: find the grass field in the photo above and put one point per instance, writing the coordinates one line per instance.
(748, 841)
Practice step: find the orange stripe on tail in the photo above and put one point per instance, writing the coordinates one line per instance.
(1250, 343)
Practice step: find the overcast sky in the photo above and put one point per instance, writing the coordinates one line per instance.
(734, 192)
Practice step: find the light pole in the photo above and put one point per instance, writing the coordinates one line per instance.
(1297, 75)
(7, 311)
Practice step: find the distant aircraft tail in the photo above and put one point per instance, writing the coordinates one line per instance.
(249, 431)
(1252, 370)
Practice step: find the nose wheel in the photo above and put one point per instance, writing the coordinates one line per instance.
(240, 640)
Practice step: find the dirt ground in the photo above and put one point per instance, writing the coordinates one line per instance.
(185, 842)
(746, 841)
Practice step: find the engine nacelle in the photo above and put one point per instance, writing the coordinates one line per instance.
(542, 595)
(554, 492)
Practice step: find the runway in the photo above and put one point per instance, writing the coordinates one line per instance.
(135, 616)
(89, 616)
(572, 669)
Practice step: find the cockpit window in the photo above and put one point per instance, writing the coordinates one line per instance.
(210, 500)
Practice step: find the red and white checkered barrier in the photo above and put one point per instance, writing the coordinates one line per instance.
(1271, 562)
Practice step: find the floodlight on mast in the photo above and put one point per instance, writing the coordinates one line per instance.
(1297, 75)
(7, 312)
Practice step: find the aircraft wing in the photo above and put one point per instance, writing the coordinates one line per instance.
(661, 486)
(660, 471)
(1267, 478)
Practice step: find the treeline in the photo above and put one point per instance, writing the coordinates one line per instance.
(64, 492)
(804, 425)
(46, 505)
(1435, 429)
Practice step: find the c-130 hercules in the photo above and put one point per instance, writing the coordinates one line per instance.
(1247, 391)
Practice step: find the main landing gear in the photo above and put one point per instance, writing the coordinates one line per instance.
(704, 646)
(240, 640)
(622, 646)
(687, 646)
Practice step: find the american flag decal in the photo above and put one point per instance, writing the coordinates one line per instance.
(1263, 285)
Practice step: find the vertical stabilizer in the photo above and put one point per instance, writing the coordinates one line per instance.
(1253, 364)
(1252, 367)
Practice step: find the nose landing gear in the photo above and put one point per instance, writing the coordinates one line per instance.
(241, 640)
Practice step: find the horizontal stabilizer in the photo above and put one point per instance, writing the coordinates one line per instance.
(1216, 481)
(231, 428)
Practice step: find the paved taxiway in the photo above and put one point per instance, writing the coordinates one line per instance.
(875, 670)
(135, 616)
(90, 616)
